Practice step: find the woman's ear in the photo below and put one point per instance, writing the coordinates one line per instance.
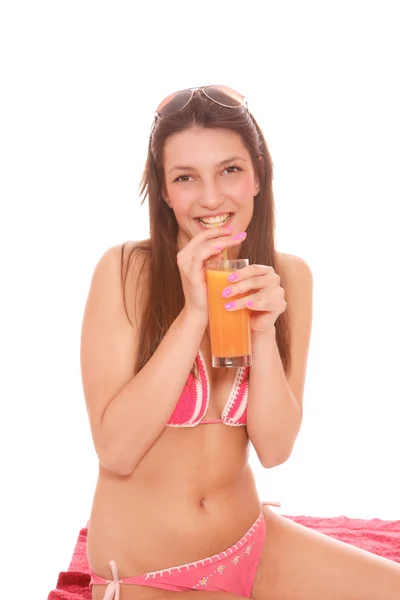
(164, 197)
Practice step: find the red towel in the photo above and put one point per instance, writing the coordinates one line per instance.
(375, 535)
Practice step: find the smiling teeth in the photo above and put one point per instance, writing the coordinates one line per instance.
(215, 221)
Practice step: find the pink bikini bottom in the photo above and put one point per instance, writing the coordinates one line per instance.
(232, 570)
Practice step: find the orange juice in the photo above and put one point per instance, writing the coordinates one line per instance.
(229, 330)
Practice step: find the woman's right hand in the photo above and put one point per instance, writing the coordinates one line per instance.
(206, 245)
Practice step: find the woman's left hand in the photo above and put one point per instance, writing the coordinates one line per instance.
(263, 296)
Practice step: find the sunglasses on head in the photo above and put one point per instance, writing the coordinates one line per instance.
(220, 94)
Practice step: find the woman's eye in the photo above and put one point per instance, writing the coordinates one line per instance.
(181, 178)
(234, 167)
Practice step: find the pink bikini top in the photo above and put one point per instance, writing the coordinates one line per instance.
(194, 400)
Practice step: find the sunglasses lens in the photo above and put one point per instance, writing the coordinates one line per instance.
(224, 95)
(173, 103)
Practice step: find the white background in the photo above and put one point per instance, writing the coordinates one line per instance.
(80, 83)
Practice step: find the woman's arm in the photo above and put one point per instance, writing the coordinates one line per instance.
(273, 413)
(127, 413)
(275, 406)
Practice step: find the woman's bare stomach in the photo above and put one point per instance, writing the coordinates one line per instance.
(192, 495)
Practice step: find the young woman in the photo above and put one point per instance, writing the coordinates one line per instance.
(176, 510)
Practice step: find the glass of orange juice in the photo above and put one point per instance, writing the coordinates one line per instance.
(229, 330)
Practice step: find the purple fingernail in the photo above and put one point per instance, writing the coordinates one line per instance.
(218, 248)
(249, 303)
(240, 236)
(232, 277)
(229, 305)
(226, 292)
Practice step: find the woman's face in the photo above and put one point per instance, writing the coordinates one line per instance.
(209, 181)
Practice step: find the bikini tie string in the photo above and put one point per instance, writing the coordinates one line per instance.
(113, 587)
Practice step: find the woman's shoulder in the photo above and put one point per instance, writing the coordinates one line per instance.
(293, 270)
(130, 254)
(283, 263)
(132, 260)
(289, 263)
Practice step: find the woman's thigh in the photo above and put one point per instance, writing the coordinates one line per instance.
(298, 563)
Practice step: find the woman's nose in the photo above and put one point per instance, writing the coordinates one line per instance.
(211, 198)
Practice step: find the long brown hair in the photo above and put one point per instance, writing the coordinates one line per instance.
(163, 296)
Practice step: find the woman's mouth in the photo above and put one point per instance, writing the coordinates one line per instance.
(213, 222)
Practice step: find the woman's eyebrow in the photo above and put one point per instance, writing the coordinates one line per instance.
(228, 160)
